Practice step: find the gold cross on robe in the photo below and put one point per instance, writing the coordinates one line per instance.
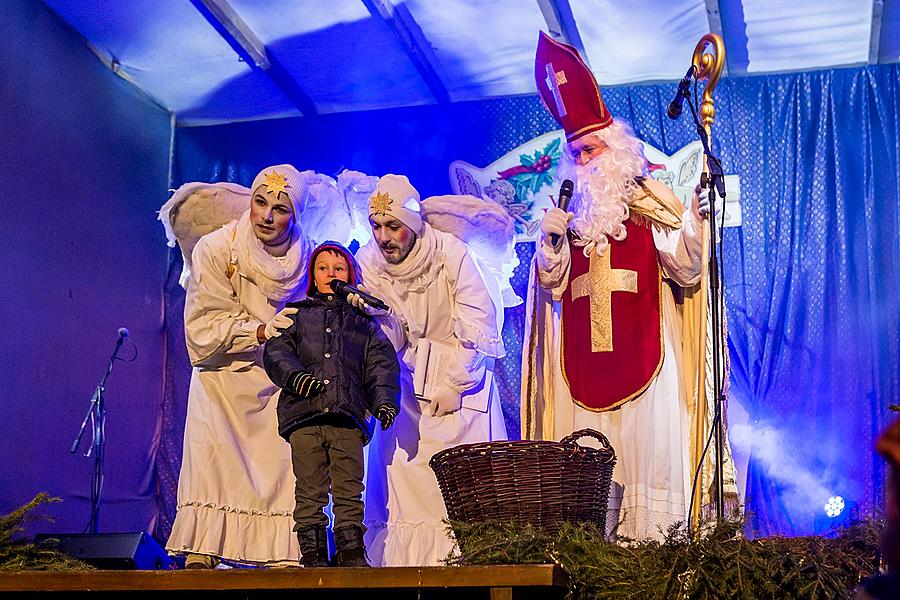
(598, 284)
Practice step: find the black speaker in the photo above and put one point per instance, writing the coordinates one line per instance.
(110, 550)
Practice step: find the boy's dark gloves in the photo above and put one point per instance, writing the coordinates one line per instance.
(386, 413)
(304, 385)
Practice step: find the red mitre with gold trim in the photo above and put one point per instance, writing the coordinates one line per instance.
(568, 89)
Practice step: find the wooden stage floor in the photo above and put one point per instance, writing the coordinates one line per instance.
(500, 582)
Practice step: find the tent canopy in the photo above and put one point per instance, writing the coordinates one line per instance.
(211, 61)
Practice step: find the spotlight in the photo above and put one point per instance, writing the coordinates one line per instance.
(837, 514)
(834, 506)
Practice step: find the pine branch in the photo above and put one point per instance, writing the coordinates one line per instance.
(722, 564)
(18, 555)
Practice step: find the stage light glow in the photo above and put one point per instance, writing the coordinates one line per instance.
(834, 506)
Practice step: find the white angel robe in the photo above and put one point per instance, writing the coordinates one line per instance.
(650, 433)
(437, 293)
(236, 487)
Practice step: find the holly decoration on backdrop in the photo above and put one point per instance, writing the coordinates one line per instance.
(534, 172)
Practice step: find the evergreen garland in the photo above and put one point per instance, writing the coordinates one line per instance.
(20, 555)
(722, 564)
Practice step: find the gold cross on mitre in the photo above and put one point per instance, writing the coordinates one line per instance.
(553, 81)
(276, 183)
(380, 204)
(598, 284)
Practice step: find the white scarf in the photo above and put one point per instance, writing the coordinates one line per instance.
(420, 267)
(279, 279)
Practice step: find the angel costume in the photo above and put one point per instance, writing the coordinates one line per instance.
(436, 293)
(236, 487)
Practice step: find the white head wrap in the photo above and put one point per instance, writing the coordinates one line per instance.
(287, 179)
(395, 196)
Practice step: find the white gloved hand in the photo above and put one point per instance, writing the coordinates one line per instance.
(281, 320)
(445, 401)
(357, 302)
(555, 222)
(701, 202)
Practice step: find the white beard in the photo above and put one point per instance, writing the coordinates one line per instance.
(603, 189)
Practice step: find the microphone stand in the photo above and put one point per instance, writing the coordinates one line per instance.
(714, 181)
(97, 415)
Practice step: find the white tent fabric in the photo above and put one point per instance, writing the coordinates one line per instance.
(226, 60)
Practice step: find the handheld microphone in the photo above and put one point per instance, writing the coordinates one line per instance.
(343, 288)
(565, 194)
(123, 333)
(675, 106)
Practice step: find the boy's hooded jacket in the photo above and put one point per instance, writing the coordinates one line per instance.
(341, 347)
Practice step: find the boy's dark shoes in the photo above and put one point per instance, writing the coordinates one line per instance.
(386, 413)
(305, 385)
(351, 551)
(313, 546)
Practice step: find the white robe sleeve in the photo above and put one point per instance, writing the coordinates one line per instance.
(468, 370)
(395, 328)
(215, 323)
(475, 320)
(553, 265)
(680, 250)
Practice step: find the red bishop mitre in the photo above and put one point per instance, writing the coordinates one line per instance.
(568, 89)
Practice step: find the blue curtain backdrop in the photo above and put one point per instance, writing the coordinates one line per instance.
(810, 277)
(84, 165)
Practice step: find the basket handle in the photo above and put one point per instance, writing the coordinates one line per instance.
(577, 435)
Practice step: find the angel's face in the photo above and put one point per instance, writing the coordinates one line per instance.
(394, 239)
(272, 218)
(329, 265)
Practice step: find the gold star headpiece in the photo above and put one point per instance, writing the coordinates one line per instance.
(276, 183)
(380, 204)
(394, 196)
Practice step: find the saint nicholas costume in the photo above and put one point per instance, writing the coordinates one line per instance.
(603, 332)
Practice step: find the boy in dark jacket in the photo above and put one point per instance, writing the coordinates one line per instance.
(334, 367)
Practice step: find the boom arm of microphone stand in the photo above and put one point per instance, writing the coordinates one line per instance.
(94, 399)
(716, 177)
(97, 397)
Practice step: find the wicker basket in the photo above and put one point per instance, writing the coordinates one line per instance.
(537, 483)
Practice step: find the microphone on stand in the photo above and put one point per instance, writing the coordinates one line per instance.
(565, 194)
(343, 288)
(96, 407)
(123, 333)
(96, 413)
(675, 106)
